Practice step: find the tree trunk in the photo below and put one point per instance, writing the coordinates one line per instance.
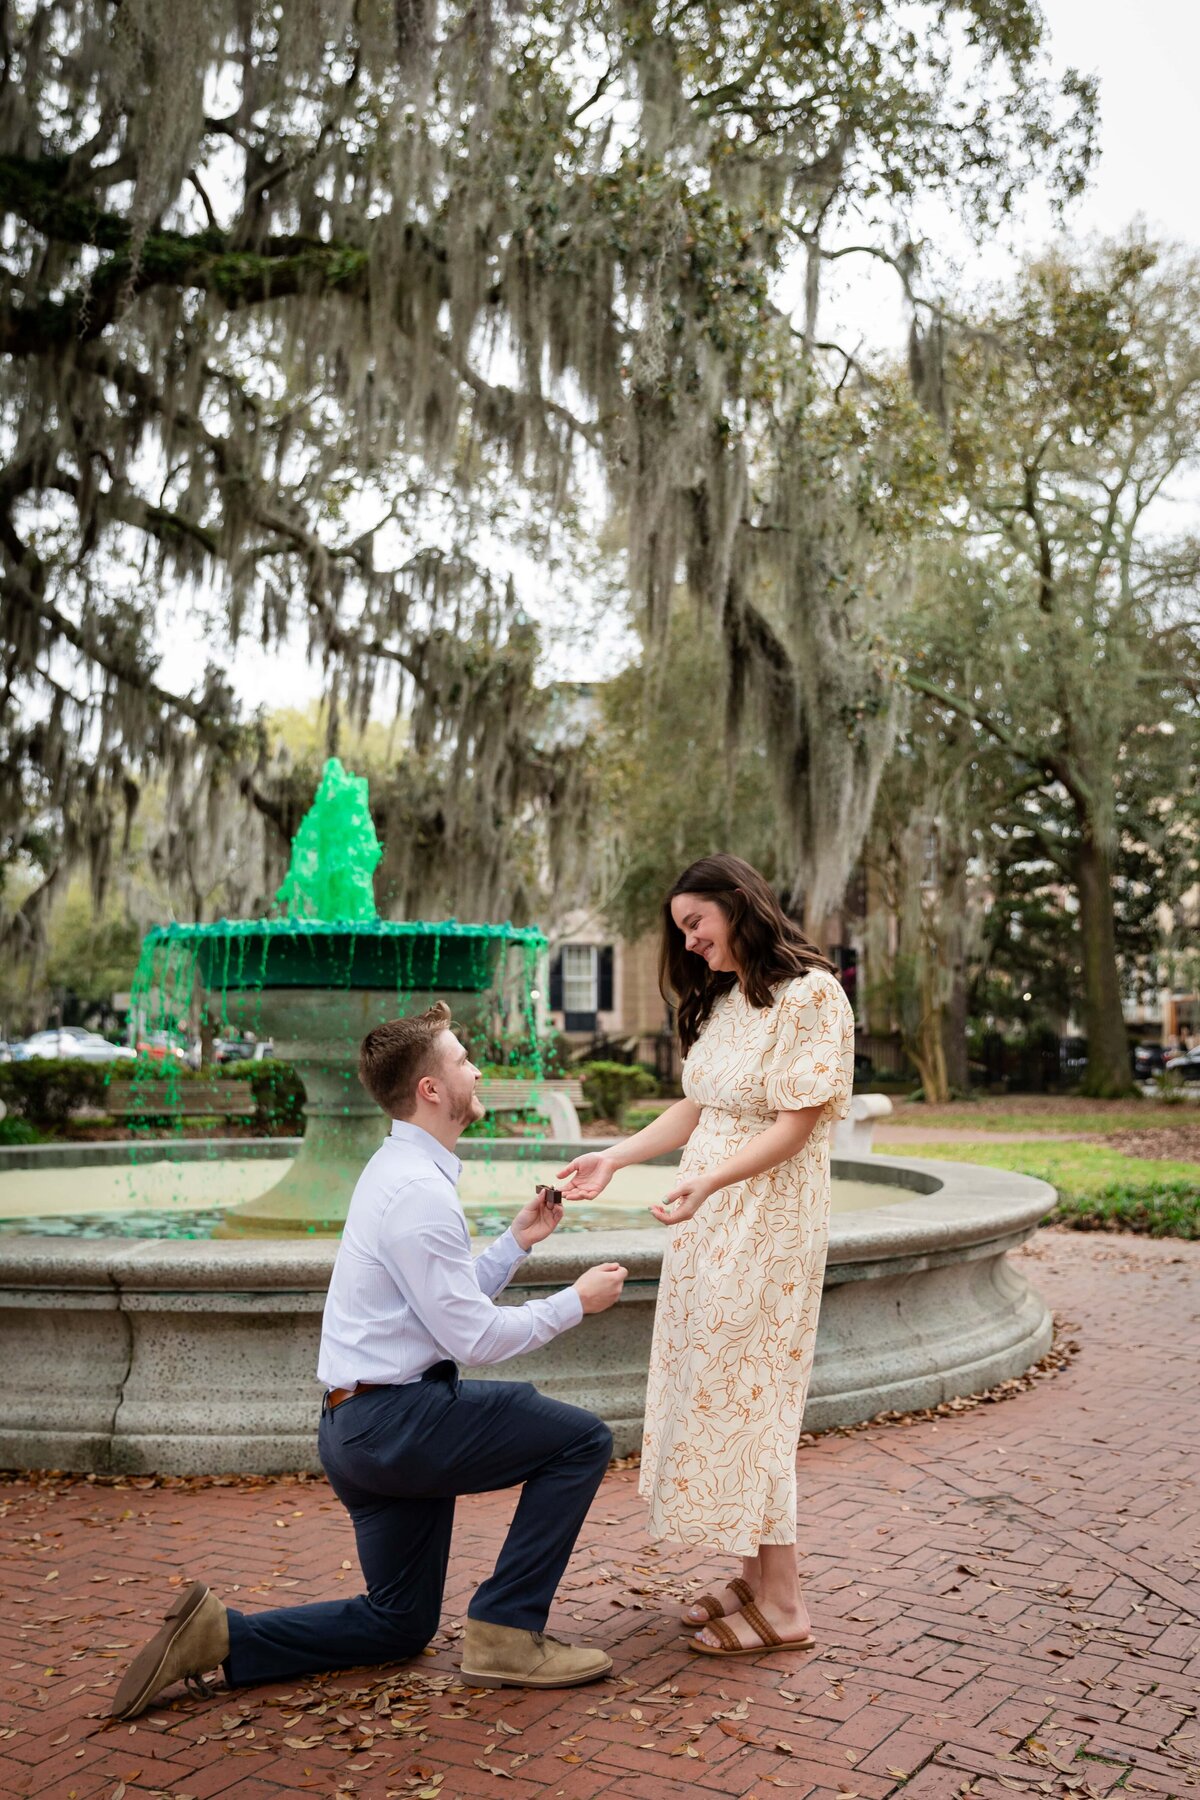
(1109, 1070)
(928, 1055)
(956, 928)
(954, 1033)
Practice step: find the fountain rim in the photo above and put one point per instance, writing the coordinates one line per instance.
(349, 955)
(184, 933)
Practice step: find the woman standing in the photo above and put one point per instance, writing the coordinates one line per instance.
(768, 1041)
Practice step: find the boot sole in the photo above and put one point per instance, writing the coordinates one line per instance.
(137, 1689)
(532, 1681)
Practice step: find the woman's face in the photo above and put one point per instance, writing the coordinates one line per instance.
(705, 929)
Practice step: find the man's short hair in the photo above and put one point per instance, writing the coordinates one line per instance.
(394, 1056)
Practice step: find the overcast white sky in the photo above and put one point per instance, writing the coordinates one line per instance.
(1148, 60)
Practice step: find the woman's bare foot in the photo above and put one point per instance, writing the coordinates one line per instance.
(731, 1602)
(791, 1623)
(741, 1588)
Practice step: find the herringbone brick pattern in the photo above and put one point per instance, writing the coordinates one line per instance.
(1006, 1601)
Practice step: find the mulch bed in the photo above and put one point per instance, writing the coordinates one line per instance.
(1174, 1143)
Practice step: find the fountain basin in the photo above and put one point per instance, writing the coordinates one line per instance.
(193, 1357)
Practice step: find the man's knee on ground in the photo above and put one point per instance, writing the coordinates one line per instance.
(409, 1623)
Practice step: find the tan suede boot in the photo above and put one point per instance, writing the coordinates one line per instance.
(501, 1656)
(193, 1639)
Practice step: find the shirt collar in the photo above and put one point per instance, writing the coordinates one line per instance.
(447, 1162)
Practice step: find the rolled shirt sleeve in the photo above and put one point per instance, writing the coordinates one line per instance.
(432, 1263)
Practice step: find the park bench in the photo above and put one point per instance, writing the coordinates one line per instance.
(558, 1100)
(158, 1099)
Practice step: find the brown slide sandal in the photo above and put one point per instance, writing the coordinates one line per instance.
(769, 1638)
(713, 1607)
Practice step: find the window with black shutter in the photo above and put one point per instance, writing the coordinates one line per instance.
(580, 986)
(604, 979)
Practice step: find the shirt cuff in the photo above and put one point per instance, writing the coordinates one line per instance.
(569, 1305)
(507, 1243)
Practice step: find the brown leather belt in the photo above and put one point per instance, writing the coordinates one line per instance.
(335, 1396)
(440, 1371)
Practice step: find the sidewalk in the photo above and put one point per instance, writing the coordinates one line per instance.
(1006, 1600)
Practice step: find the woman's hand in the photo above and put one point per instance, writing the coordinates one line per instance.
(685, 1199)
(538, 1218)
(587, 1176)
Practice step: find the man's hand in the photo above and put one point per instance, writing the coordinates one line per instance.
(587, 1176)
(538, 1219)
(685, 1200)
(600, 1288)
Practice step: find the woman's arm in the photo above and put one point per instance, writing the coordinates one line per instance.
(670, 1131)
(780, 1141)
(588, 1175)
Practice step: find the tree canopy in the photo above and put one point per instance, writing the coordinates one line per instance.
(286, 284)
(1070, 638)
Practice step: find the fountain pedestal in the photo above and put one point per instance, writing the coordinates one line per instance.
(318, 1031)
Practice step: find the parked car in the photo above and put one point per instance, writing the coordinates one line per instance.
(231, 1050)
(1072, 1056)
(1185, 1067)
(1149, 1060)
(158, 1045)
(71, 1041)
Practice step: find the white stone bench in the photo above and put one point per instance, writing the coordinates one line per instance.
(559, 1100)
(852, 1136)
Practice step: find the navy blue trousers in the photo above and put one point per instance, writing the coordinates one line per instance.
(396, 1457)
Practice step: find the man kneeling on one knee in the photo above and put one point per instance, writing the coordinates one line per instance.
(401, 1434)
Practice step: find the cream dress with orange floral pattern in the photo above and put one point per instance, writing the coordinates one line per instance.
(740, 1290)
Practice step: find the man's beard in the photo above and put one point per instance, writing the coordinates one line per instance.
(468, 1110)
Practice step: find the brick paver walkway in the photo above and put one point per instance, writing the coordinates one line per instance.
(1006, 1600)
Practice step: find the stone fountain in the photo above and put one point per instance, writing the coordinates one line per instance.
(194, 1357)
(318, 977)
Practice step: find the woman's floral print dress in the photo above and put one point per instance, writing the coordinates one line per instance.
(741, 1282)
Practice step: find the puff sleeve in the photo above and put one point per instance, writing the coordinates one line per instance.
(812, 1060)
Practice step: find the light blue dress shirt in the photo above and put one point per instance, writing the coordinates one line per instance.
(406, 1291)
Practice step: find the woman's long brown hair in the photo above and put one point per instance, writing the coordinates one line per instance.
(767, 946)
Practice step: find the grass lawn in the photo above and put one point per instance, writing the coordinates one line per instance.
(1037, 1113)
(1098, 1189)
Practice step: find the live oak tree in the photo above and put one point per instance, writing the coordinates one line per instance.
(1075, 407)
(275, 274)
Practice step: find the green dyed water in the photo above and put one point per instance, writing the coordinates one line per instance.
(335, 853)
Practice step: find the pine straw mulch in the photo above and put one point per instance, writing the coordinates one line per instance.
(1171, 1143)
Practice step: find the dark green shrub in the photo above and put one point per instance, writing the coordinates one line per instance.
(635, 1118)
(18, 1131)
(610, 1086)
(278, 1095)
(46, 1090)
